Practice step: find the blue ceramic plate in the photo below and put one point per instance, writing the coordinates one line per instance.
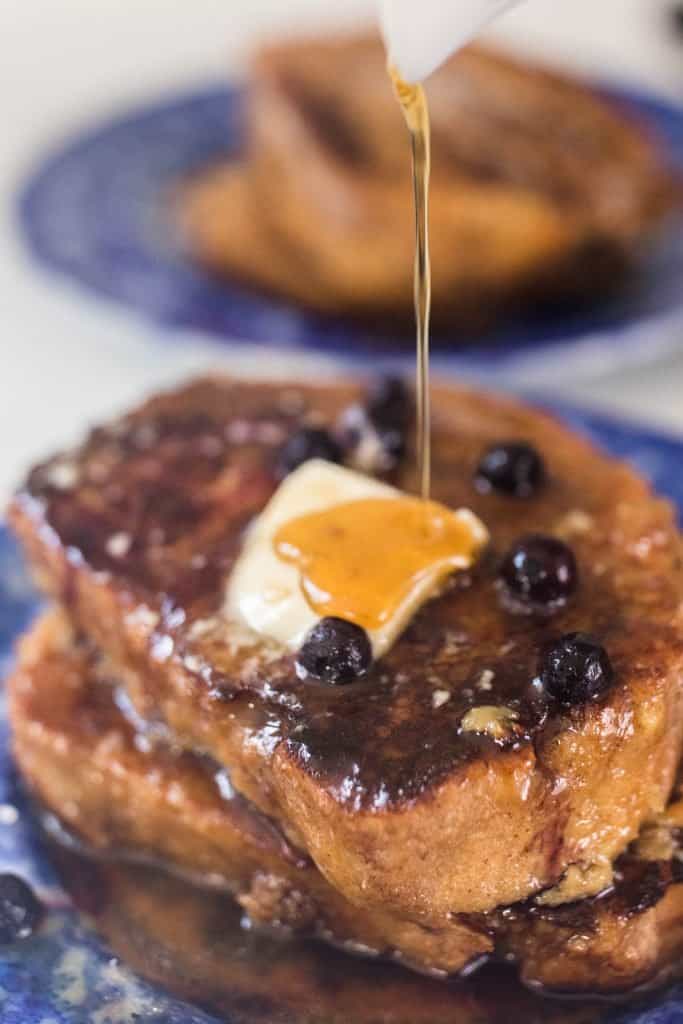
(64, 975)
(96, 210)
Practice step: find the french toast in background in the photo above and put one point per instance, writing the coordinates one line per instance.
(542, 192)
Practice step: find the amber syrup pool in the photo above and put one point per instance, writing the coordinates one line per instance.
(191, 941)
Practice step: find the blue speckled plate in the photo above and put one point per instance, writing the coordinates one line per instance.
(96, 211)
(64, 975)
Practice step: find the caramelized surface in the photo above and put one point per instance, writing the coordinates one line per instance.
(127, 790)
(131, 793)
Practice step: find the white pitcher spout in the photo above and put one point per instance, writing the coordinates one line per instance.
(421, 34)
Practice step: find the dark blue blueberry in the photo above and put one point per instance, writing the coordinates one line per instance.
(389, 411)
(677, 19)
(576, 670)
(374, 434)
(335, 651)
(389, 404)
(20, 909)
(307, 443)
(540, 572)
(514, 468)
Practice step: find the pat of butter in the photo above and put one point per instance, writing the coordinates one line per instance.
(398, 571)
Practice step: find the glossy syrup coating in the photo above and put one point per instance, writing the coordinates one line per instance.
(124, 789)
(378, 781)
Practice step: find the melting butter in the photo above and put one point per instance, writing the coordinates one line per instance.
(334, 542)
(363, 559)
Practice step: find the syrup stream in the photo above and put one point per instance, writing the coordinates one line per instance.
(413, 102)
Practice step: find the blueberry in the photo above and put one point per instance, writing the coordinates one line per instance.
(389, 411)
(20, 909)
(677, 18)
(307, 443)
(334, 651)
(366, 448)
(513, 468)
(374, 434)
(540, 572)
(389, 404)
(576, 669)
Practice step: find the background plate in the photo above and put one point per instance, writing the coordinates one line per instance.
(65, 975)
(96, 211)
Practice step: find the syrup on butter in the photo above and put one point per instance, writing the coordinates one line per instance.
(364, 560)
(334, 542)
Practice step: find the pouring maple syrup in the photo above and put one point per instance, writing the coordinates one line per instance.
(415, 109)
(418, 41)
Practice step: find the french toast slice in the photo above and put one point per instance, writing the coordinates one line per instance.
(541, 189)
(128, 792)
(400, 807)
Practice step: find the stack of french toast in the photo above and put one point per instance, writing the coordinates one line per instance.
(501, 784)
(544, 192)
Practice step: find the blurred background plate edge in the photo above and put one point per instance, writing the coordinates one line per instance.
(95, 211)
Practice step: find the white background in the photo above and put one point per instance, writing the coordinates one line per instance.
(67, 359)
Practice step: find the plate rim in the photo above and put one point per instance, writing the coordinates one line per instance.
(587, 345)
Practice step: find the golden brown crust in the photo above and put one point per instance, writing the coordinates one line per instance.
(130, 792)
(389, 820)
